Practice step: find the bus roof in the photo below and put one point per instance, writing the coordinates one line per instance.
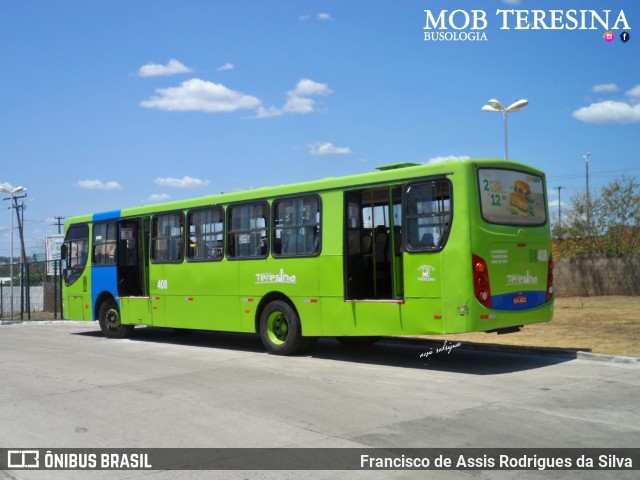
(396, 172)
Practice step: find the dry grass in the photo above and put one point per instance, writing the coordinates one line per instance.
(608, 325)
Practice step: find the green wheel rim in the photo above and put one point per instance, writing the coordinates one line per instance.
(278, 328)
(112, 317)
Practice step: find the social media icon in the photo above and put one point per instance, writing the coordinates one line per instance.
(609, 37)
(624, 37)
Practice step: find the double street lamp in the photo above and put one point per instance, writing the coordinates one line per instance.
(6, 188)
(494, 105)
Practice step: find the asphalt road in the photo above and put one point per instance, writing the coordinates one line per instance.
(63, 385)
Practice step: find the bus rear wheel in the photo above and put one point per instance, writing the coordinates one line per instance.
(110, 321)
(281, 331)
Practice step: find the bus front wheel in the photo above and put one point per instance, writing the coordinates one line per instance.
(110, 321)
(281, 331)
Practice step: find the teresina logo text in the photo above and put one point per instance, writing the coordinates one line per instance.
(280, 277)
(450, 24)
(518, 279)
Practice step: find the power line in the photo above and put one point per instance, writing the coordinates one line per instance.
(604, 172)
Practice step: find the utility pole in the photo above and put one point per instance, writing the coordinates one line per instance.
(559, 205)
(5, 188)
(586, 158)
(59, 223)
(23, 253)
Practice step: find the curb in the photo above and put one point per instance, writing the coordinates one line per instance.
(33, 323)
(522, 350)
(598, 357)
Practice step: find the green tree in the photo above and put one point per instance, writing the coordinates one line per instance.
(608, 224)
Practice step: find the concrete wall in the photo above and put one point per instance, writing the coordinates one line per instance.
(36, 298)
(588, 276)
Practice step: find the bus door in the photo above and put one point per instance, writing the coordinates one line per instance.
(373, 260)
(132, 270)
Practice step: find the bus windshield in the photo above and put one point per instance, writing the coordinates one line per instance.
(511, 197)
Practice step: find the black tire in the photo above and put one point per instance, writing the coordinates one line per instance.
(109, 318)
(281, 331)
(354, 342)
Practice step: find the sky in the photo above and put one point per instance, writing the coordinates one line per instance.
(109, 104)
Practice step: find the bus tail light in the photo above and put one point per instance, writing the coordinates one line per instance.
(550, 279)
(481, 285)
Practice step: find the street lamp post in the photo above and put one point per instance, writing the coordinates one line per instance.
(494, 105)
(6, 188)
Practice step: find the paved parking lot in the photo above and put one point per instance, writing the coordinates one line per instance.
(65, 385)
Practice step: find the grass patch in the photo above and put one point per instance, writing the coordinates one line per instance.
(607, 325)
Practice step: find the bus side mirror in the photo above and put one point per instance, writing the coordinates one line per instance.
(63, 251)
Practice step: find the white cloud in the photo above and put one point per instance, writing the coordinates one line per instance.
(269, 112)
(448, 157)
(328, 148)
(204, 96)
(184, 182)
(98, 185)
(173, 67)
(634, 92)
(322, 16)
(225, 67)
(298, 100)
(306, 87)
(605, 87)
(612, 111)
(299, 105)
(157, 197)
(199, 95)
(608, 112)
(512, 2)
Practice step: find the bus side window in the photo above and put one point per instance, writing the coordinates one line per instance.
(247, 233)
(296, 228)
(104, 243)
(167, 238)
(428, 214)
(206, 228)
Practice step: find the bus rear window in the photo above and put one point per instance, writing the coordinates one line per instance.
(510, 197)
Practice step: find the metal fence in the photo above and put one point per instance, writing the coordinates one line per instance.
(36, 292)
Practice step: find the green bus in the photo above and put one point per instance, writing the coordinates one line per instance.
(408, 249)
